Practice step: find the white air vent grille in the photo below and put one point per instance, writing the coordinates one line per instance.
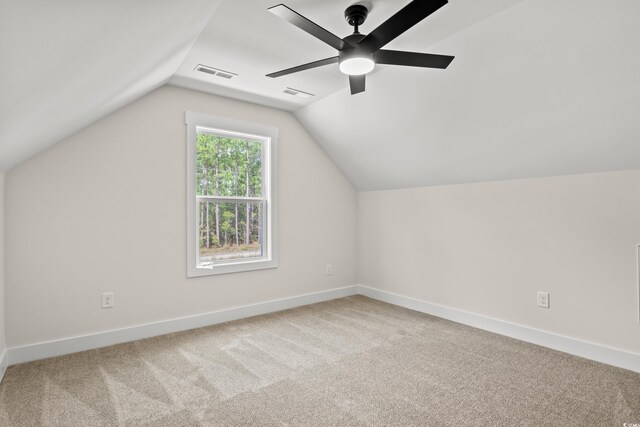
(298, 93)
(216, 72)
(206, 70)
(225, 75)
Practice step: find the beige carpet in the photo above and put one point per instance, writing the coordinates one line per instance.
(352, 361)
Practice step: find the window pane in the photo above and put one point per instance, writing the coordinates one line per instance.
(227, 166)
(229, 231)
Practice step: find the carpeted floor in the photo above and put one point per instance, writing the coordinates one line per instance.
(352, 361)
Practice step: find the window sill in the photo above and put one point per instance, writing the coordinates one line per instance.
(235, 267)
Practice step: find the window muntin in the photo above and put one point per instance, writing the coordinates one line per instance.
(232, 197)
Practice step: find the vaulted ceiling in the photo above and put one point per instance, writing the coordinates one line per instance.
(67, 63)
(537, 88)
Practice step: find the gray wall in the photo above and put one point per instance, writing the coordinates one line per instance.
(487, 248)
(104, 210)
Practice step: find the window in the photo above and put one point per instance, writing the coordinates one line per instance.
(231, 205)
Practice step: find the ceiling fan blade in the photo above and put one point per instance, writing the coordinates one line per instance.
(357, 83)
(306, 25)
(406, 18)
(308, 66)
(412, 59)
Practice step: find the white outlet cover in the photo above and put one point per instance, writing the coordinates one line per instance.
(107, 300)
(543, 299)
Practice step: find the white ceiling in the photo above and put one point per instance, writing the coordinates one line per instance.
(538, 87)
(67, 63)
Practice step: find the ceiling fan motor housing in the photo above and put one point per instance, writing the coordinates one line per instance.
(352, 49)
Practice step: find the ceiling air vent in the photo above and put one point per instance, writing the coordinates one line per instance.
(298, 93)
(216, 72)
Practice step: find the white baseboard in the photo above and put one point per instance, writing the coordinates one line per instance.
(588, 350)
(60, 347)
(4, 362)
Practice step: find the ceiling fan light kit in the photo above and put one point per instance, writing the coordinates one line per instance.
(358, 53)
(357, 65)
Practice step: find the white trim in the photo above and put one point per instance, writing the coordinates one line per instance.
(268, 135)
(231, 199)
(638, 280)
(4, 363)
(588, 350)
(46, 349)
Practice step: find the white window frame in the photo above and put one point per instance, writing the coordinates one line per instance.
(268, 135)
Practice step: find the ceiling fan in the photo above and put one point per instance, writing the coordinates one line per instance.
(359, 53)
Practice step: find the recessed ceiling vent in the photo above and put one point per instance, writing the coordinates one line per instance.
(216, 72)
(298, 93)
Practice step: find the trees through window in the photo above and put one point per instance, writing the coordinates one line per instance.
(229, 193)
(232, 199)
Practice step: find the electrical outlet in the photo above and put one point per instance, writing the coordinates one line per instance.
(543, 299)
(329, 270)
(107, 300)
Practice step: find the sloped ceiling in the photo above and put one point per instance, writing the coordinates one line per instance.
(546, 87)
(538, 87)
(67, 63)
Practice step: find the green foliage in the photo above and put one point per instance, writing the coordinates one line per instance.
(227, 224)
(229, 156)
(213, 240)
